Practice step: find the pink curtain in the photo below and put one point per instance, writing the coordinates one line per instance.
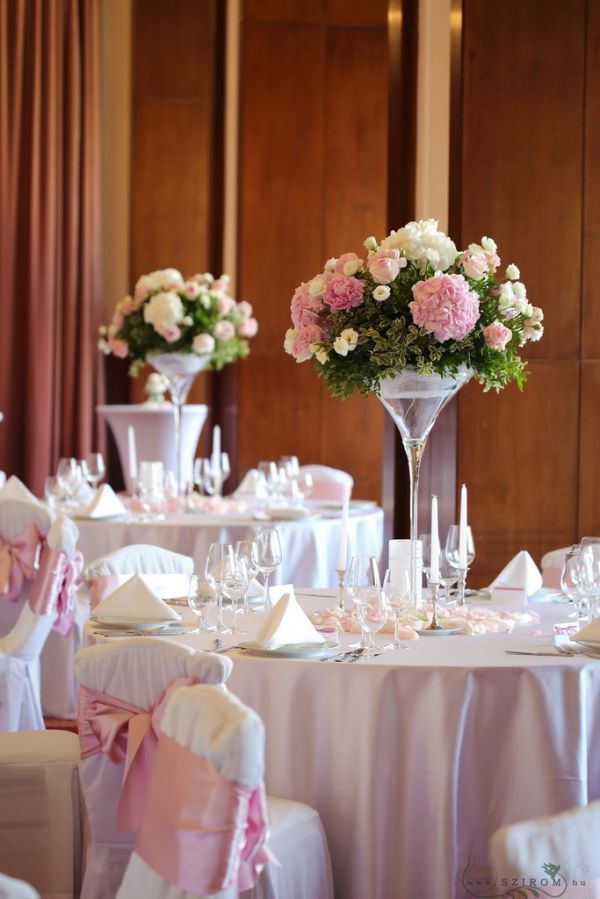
(50, 290)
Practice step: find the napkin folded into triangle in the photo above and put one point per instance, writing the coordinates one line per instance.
(287, 625)
(252, 484)
(16, 489)
(105, 504)
(134, 602)
(521, 574)
(590, 633)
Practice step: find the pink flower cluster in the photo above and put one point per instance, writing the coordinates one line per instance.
(445, 306)
(384, 265)
(343, 292)
(496, 335)
(307, 318)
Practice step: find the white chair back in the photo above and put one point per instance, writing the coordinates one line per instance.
(328, 483)
(16, 889)
(136, 672)
(20, 701)
(166, 572)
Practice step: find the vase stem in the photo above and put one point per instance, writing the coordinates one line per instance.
(179, 387)
(414, 450)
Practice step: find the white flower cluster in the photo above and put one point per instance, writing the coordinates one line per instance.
(422, 243)
(164, 310)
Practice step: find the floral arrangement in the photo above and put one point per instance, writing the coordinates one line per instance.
(414, 299)
(170, 314)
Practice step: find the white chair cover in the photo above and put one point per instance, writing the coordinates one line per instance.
(16, 889)
(568, 841)
(328, 483)
(40, 812)
(140, 558)
(20, 700)
(138, 672)
(216, 726)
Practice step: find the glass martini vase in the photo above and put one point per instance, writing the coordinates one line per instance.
(179, 369)
(414, 401)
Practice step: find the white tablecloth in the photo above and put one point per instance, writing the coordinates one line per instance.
(309, 548)
(414, 758)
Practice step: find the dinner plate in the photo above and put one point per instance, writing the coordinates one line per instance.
(443, 632)
(289, 513)
(357, 505)
(119, 624)
(294, 651)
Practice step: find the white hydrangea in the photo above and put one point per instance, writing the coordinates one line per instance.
(164, 279)
(422, 243)
(163, 310)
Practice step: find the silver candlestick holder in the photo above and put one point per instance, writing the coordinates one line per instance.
(462, 583)
(434, 587)
(341, 573)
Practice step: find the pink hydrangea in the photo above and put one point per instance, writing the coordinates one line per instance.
(384, 265)
(343, 292)
(171, 333)
(248, 327)
(496, 335)
(119, 348)
(305, 307)
(445, 306)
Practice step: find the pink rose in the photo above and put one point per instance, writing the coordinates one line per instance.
(171, 333)
(348, 264)
(493, 260)
(224, 330)
(475, 265)
(191, 289)
(119, 348)
(223, 283)
(203, 343)
(225, 305)
(445, 306)
(384, 265)
(248, 327)
(245, 308)
(308, 335)
(343, 292)
(496, 335)
(305, 307)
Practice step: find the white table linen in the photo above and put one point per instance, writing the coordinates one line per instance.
(309, 547)
(414, 758)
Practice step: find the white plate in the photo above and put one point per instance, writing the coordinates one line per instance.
(119, 624)
(289, 513)
(295, 651)
(336, 506)
(443, 632)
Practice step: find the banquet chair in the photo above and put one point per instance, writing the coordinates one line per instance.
(205, 829)
(16, 889)
(557, 846)
(328, 483)
(124, 683)
(105, 574)
(40, 812)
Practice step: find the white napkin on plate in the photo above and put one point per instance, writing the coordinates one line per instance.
(521, 573)
(252, 484)
(589, 634)
(287, 625)
(105, 504)
(16, 489)
(135, 603)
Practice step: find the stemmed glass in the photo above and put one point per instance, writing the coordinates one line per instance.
(202, 598)
(268, 557)
(69, 477)
(53, 491)
(448, 575)
(362, 583)
(589, 561)
(570, 581)
(398, 600)
(234, 586)
(214, 473)
(248, 551)
(451, 549)
(220, 556)
(93, 468)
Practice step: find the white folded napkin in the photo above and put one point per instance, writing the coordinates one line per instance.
(105, 504)
(517, 580)
(590, 633)
(252, 484)
(16, 489)
(287, 625)
(135, 603)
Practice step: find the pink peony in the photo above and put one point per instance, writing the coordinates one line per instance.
(171, 333)
(305, 307)
(343, 292)
(224, 330)
(245, 308)
(248, 327)
(445, 306)
(384, 265)
(496, 335)
(304, 338)
(119, 348)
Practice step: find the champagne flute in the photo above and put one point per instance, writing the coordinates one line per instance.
(248, 551)
(268, 557)
(214, 569)
(398, 600)
(362, 580)
(202, 598)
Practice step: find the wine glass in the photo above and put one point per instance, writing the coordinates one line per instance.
(93, 468)
(219, 556)
(448, 575)
(234, 586)
(202, 598)
(362, 581)
(570, 581)
(69, 477)
(268, 557)
(398, 600)
(452, 542)
(53, 492)
(248, 551)
(589, 575)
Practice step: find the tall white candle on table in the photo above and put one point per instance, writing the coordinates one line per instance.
(216, 446)
(131, 456)
(462, 529)
(343, 548)
(434, 569)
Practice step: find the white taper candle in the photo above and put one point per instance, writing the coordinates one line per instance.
(131, 456)
(216, 447)
(343, 547)
(434, 570)
(462, 529)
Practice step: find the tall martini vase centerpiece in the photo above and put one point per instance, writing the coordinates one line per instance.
(414, 401)
(179, 369)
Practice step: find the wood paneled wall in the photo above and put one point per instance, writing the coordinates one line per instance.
(313, 180)
(530, 177)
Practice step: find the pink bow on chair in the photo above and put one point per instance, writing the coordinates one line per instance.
(55, 586)
(125, 733)
(18, 562)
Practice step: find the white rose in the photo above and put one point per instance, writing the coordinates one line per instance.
(513, 272)
(203, 343)
(316, 286)
(341, 346)
(370, 244)
(351, 267)
(330, 265)
(163, 310)
(381, 293)
(350, 336)
(470, 269)
(290, 339)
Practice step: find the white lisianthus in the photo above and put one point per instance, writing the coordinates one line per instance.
(330, 265)
(422, 243)
(512, 272)
(203, 343)
(316, 286)
(489, 245)
(321, 354)
(370, 244)
(520, 305)
(290, 339)
(346, 342)
(519, 290)
(528, 310)
(381, 293)
(352, 266)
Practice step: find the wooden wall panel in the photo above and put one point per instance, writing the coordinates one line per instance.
(313, 184)
(522, 183)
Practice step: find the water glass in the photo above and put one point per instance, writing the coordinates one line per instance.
(218, 562)
(202, 598)
(362, 584)
(398, 600)
(248, 551)
(268, 557)
(235, 586)
(93, 468)
(589, 561)
(70, 478)
(53, 492)
(451, 548)
(570, 581)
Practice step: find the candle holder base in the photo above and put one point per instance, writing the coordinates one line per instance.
(460, 590)
(341, 573)
(434, 625)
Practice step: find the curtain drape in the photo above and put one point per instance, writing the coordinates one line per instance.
(50, 290)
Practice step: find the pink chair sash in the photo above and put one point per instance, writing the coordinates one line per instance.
(18, 562)
(101, 587)
(200, 830)
(125, 733)
(55, 586)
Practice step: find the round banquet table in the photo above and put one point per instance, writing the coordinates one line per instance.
(309, 546)
(415, 757)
